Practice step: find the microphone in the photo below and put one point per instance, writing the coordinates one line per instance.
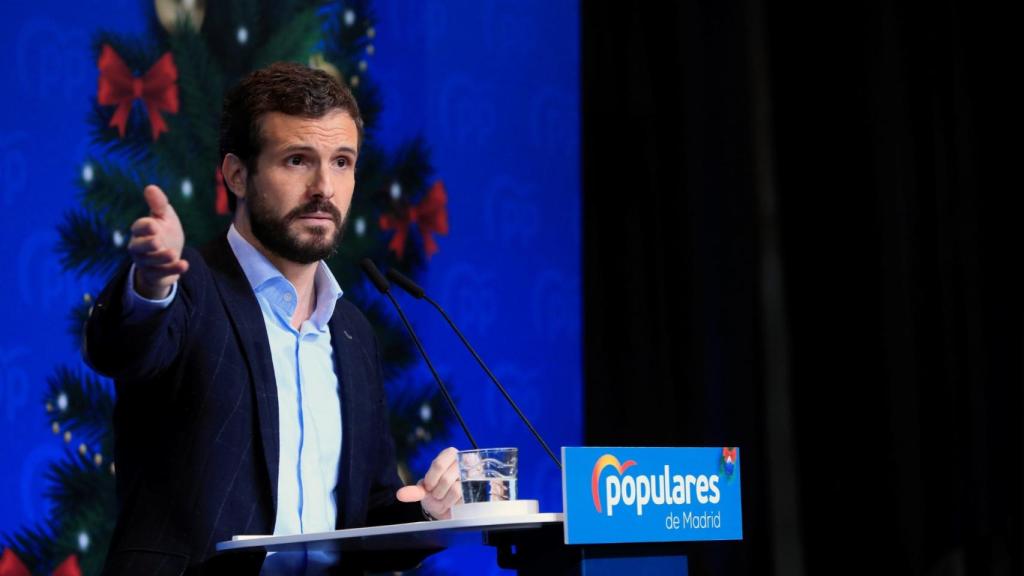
(382, 285)
(419, 293)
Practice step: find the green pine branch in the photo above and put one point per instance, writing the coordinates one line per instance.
(77, 316)
(347, 45)
(220, 35)
(134, 146)
(172, 152)
(345, 36)
(294, 41)
(113, 191)
(201, 92)
(354, 247)
(34, 546)
(138, 53)
(189, 150)
(367, 93)
(80, 522)
(78, 488)
(373, 177)
(86, 244)
(83, 496)
(83, 404)
(412, 167)
(87, 535)
(188, 159)
(283, 10)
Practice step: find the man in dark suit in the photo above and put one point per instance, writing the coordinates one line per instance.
(250, 398)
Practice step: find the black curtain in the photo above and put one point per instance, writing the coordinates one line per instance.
(800, 236)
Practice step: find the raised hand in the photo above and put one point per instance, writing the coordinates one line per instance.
(440, 489)
(155, 247)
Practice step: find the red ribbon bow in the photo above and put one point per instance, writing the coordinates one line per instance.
(729, 455)
(118, 87)
(11, 565)
(69, 567)
(430, 216)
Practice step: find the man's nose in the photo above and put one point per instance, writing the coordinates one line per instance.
(320, 184)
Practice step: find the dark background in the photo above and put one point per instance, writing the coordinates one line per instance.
(800, 237)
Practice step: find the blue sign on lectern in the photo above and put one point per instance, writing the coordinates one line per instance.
(612, 495)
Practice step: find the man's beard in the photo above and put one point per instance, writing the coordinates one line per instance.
(275, 232)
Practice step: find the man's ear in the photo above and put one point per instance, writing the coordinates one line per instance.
(235, 175)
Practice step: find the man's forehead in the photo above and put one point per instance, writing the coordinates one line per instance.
(336, 127)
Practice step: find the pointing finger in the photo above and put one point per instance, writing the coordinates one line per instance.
(157, 201)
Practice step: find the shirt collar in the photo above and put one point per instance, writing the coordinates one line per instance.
(262, 274)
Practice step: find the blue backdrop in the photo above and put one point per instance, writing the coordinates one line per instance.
(493, 87)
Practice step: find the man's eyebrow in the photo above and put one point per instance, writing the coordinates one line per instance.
(307, 148)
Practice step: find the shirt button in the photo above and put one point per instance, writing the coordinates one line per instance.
(287, 296)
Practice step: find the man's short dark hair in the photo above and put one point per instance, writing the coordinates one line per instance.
(284, 87)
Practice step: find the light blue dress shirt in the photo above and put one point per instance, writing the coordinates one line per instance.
(308, 401)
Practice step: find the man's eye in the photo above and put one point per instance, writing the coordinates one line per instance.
(295, 160)
(342, 162)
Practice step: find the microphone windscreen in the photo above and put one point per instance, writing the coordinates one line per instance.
(375, 276)
(406, 283)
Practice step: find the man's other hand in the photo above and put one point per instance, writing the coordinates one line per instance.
(155, 247)
(440, 489)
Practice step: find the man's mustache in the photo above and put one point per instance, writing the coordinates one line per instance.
(314, 206)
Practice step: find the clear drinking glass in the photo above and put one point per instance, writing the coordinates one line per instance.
(488, 474)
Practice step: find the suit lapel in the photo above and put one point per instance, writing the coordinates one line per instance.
(247, 319)
(353, 415)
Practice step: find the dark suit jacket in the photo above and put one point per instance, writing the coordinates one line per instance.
(196, 421)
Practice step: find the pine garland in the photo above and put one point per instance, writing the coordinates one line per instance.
(294, 41)
(86, 244)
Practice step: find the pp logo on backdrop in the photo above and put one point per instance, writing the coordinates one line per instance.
(643, 490)
(613, 495)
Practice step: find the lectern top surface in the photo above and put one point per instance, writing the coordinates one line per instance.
(414, 535)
